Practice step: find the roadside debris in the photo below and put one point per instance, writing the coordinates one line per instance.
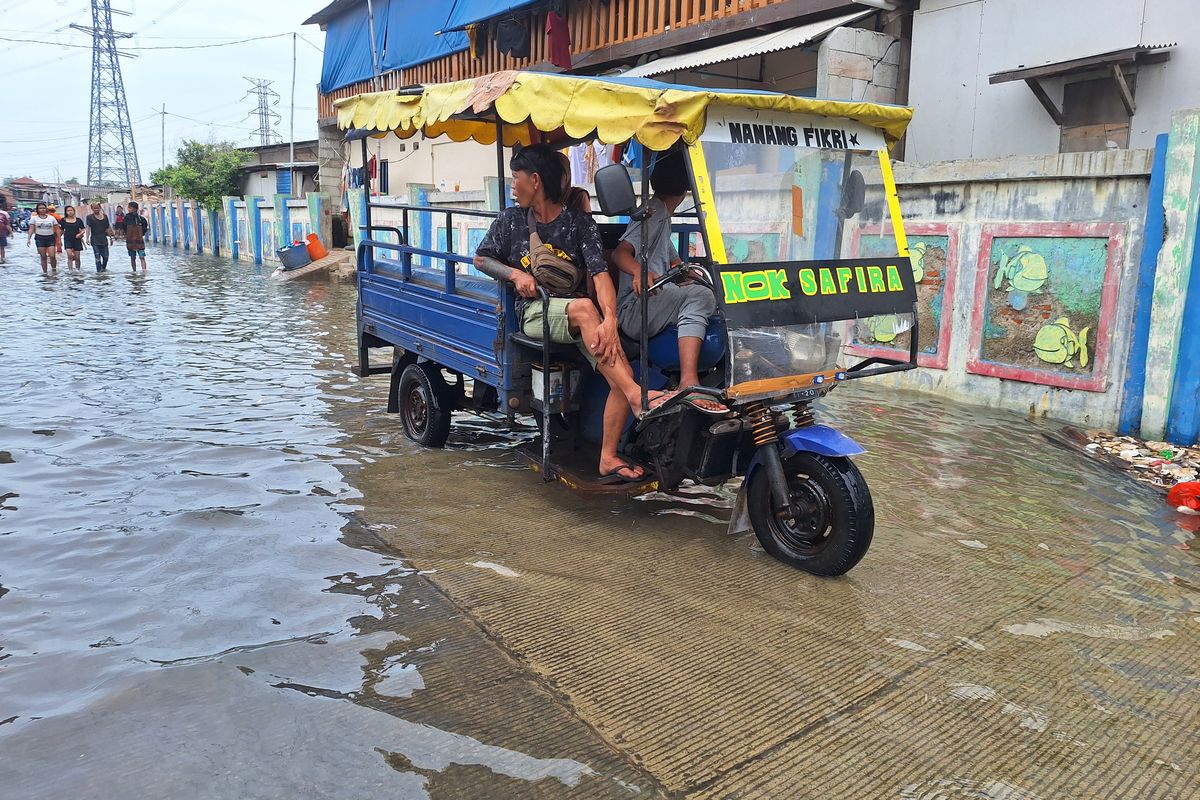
(1156, 464)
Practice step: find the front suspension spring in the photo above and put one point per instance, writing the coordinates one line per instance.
(802, 414)
(763, 429)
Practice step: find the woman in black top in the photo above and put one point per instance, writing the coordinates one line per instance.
(72, 233)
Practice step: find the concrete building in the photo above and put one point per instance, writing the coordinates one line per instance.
(28, 192)
(270, 170)
(996, 78)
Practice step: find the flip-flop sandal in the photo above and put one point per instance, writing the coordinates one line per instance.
(614, 476)
(662, 399)
(691, 399)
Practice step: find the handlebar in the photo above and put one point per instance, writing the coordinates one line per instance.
(696, 271)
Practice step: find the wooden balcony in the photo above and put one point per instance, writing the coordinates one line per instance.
(601, 33)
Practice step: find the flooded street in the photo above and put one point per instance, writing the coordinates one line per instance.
(225, 573)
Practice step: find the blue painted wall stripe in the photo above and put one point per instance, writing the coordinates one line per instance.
(1130, 422)
(1183, 417)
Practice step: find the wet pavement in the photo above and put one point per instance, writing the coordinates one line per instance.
(224, 572)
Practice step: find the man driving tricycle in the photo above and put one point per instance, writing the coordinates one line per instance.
(747, 318)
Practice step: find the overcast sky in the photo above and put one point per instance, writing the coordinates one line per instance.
(46, 92)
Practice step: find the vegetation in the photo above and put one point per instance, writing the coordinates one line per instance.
(203, 172)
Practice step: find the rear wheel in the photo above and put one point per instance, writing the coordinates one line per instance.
(833, 519)
(425, 404)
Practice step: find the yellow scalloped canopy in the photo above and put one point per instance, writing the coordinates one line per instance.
(615, 109)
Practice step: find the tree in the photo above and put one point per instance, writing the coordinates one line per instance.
(203, 172)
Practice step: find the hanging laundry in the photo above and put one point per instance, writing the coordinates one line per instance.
(371, 167)
(579, 168)
(512, 37)
(473, 36)
(559, 37)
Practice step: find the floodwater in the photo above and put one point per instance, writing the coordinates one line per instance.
(225, 573)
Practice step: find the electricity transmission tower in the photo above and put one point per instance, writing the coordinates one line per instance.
(267, 119)
(112, 154)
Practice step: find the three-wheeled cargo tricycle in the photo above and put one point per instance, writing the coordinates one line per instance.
(795, 227)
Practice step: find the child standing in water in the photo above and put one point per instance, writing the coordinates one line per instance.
(72, 236)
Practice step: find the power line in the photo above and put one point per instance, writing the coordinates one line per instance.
(151, 47)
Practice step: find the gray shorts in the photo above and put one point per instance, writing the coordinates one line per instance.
(688, 306)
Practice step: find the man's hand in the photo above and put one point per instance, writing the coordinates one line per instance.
(651, 277)
(607, 344)
(524, 284)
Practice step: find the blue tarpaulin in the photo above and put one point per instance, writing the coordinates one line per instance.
(348, 47)
(406, 34)
(466, 12)
(413, 25)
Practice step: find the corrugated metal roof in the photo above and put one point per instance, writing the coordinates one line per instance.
(742, 48)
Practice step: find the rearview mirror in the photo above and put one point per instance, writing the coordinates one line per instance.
(614, 191)
(854, 195)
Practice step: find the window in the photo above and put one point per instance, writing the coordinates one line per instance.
(383, 176)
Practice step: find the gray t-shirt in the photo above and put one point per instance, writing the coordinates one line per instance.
(660, 251)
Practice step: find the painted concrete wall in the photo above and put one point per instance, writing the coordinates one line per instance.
(957, 44)
(1083, 215)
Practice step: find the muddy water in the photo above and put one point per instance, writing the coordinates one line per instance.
(206, 587)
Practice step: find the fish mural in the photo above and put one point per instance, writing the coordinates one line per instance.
(916, 256)
(1056, 343)
(1025, 271)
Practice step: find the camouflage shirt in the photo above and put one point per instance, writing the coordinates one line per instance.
(573, 235)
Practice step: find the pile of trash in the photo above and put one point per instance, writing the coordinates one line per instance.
(1158, 464)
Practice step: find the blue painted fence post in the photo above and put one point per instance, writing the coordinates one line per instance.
(254, 226)
(198, 217)
(174, 226)
(1183, 416)
(425, 226)
(1130, 423)
(214, 232)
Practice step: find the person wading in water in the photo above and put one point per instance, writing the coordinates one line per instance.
(135, 227)
(101, 235)
(72, 236)
(44, 228)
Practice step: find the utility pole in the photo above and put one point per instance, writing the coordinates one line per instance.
(292, 128)
(163, 136)
(267, 119)
(112, 154)
(374, 48)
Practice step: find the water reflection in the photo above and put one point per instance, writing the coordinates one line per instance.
(177, 598)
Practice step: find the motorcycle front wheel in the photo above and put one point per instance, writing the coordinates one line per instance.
(832, 518)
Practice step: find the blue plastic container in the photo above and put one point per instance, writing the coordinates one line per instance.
(293, 256)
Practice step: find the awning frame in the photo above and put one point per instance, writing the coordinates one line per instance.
(1114, 62)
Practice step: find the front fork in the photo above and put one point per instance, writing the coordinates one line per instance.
(764, 432)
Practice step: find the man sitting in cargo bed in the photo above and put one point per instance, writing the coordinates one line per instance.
(504, 255)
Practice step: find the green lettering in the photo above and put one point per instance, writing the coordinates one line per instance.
(808, 282)
(893, 279)
(827, 284)
(731, 282)
(875, 278)
(755, 285)
(844, 274)
(776, 280)
(860, 279)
